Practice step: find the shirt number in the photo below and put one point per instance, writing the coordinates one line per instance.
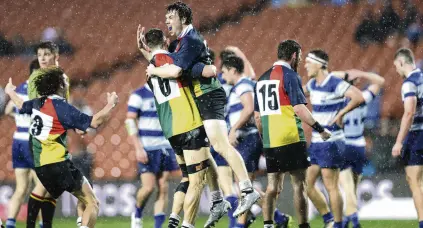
(165, 89)
(268, 97)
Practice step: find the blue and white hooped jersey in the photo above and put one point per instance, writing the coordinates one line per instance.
(354, 122)
(413, 86)
(234, 107)
(327, 99)
(23, 121)
(224, 84)
(150, 132)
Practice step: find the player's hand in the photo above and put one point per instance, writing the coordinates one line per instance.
(79, 132)
(338, 120)
(142, 44)
(325, 134)
(112, 98)
(233, 138)
(9, 87)
(149, 70)
(396, 150)
(209, 71)
(142, 156)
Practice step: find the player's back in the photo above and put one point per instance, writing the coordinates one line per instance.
(235, 107)
(280, 124)
(150, 132)
(327, 99)
(22, 121)
(413, 86)
(176, 107)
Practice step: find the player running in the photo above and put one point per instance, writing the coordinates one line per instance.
(209, 94)
(155, 156)
(51, 117)
(409, 140)
(355, 144)
(327, 96)
(182, 126)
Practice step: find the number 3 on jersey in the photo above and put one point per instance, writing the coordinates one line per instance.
(165, 89)
(268, 97)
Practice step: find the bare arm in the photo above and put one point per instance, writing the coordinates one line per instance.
(10, 90)
(131, 127)
(410, 104)
(9, 109)
(246, 113)
(376, 81)
(101, 116)
(356, 98)
(305, 115)
(166, 71)
(248, 67)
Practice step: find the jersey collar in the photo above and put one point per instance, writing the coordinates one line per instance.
(55, 96)
(282, 63)
(185, 31)
(243, 77)
(417, 70)
(159, 52)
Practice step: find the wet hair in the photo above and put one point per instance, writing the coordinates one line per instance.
(234, 62)
(407, 54)
(154, 38)
(287, 48)
(183, 11)
(50, 81)
(319, 53)
(225, 54)
(47, 45)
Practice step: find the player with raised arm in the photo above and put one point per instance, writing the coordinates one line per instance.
(51, 117)
(209, 94)
(155, 156)
(355, 144)
(182, 126)
(327, 96)
(279, 108)
(409, 140)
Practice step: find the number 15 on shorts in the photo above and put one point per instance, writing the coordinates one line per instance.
(268, 97)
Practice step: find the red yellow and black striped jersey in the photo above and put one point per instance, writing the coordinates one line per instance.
(177, 110)
(51, 117)
(277, 91)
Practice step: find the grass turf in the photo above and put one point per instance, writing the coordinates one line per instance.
(125, 222)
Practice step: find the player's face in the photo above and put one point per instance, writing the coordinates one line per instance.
(399, 66)
(228, 74)
(312, 68)
(46, 58)
(173, 23)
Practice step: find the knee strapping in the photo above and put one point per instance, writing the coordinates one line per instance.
(182, 187)
(194, 168)
(184, 170)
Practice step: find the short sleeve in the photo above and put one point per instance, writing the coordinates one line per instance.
(27, 107)
(368, 96)
(408, 89)
(341, 87)
(256, 105)
(244, 88)
(294, 89)
(70, 117)
(134, 103)
(190, 50)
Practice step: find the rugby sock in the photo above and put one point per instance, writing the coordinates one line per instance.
(337, 225)
(280, 217)
(327, 217)
(41, 224)
(255, 210)
(79, 221)
(233, 201)
(159, 220)
(421, 224)
(268, 224)
(216, 196)
(354, 219)
(47, 211)
(138, 211)
(35, 203)
(304, 225)
(10, 223)
(246, 186)
(83, 227)
(239, 225)
(187, 225)
(174, 221)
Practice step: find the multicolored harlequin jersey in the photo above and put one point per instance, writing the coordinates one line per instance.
(277, 91)
(51, 117)
(175, 104)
